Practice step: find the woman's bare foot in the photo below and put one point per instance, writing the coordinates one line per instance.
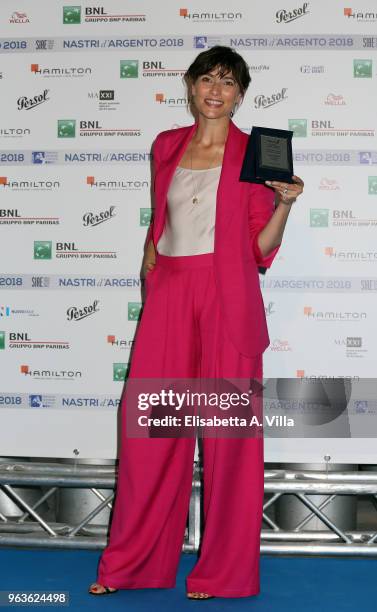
(196, 595)
(99, 589)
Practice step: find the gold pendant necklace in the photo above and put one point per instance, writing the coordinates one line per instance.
(195, 198)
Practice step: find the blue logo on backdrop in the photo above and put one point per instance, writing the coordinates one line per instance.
(41, 401)
(367, 157)
(35, 401)
(38, 157)
(200, 42)
(44, 157)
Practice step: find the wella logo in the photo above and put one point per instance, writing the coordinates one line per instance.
(18, 17)
(335, 100)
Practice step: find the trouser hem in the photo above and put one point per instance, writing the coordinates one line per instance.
(138, 584)
(206, 588)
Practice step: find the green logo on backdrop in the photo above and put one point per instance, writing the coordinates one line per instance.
(319, 217)
(2, 340)
(129, 69)
(372, 185)
(71, 14)
(134, 309)
(66, 128)
(298, 127)
(362, 68)
(119, 371)
(145, 216)
(42, 249)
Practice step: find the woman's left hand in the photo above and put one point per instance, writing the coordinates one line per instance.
(287, 192)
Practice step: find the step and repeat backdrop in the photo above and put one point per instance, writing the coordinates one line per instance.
(84, 91)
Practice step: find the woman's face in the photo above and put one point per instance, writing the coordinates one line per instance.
(215, 97)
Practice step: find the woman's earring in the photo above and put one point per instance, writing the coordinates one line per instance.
(233, 111)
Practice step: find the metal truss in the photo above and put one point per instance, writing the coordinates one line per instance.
(31, 529)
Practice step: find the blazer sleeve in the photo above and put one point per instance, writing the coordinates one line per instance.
(261, 209)
(156, 157)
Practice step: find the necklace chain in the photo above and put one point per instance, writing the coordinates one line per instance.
(195, 193)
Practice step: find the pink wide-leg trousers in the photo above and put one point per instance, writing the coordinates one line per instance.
(182, 334)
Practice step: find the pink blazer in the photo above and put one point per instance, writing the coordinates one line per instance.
(242, 210)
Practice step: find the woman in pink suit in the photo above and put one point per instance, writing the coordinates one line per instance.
(203, 318)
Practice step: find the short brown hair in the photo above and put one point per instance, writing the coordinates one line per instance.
(224, 58)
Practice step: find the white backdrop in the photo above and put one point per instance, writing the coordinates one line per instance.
(84, 91)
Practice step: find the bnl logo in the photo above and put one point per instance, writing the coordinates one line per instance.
(71, 15)
(372, 185)
(119, 371)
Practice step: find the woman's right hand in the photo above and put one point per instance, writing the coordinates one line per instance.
(148, 267)
(149, 260)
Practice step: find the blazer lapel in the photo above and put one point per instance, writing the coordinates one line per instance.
(235, 147)
(234, 151)
(166, 172)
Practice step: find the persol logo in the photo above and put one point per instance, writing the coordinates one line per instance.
(25, 103)
(284, 16)
(91, 219)
(262, 101)
(76, 314)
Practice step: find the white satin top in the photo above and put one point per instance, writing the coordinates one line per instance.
(190, 228)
